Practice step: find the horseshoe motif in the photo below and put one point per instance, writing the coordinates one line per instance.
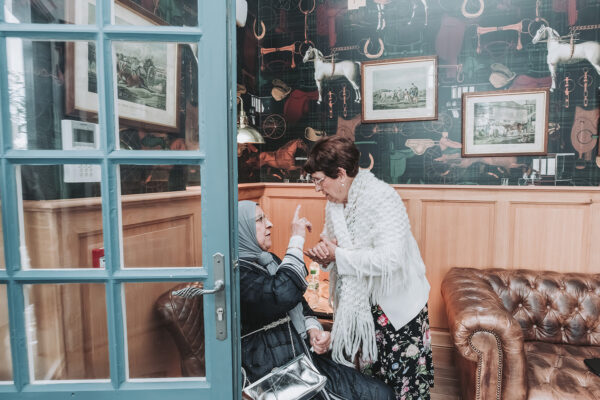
(370, 167)
(467, 14)
(263, 30)
(376, 55)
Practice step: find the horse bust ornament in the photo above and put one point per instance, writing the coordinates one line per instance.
(560, 51)
(329, 70)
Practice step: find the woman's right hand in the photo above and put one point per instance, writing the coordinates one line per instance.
(300, 225)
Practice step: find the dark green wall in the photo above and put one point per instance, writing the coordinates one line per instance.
(450, 36)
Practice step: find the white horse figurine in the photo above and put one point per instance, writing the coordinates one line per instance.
(563, 52)
(328, 70)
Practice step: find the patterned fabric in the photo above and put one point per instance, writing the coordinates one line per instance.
(405, 362)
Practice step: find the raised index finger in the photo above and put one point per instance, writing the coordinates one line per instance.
(297, 213)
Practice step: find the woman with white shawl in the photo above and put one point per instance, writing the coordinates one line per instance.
(377, 278)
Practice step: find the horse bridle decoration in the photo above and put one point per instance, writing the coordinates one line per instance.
(476, 14)
(586, 81)
(568, 85)
(482, 30)
(537, 18)
(362, 48)
(267, 50)
(263, 31)
(308, 43)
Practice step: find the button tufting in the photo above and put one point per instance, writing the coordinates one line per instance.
(548, 306)
(520, 304)
(576, 308)
(534, 326)
(562, 328)
(589, 331)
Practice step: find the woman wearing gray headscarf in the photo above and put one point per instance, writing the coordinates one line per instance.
(272, 289)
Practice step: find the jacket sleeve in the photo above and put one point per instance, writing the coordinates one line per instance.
(310, 319)
(274, 294)
(390, 225)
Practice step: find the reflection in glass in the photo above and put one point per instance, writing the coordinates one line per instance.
(161, 215)
(5, 353)
(2, 263)
(61, 216)
(67, 336)
(174, 12)
(160, 328)
(47, 12)
(52, 92)
(157, 95)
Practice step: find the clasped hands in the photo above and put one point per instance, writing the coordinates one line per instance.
(319, 340)
(323, 252)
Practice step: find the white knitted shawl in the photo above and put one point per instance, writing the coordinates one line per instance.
(369, 200)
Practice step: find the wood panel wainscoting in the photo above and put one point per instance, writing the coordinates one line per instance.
(465, 226)
(540, 228)
(159, 230)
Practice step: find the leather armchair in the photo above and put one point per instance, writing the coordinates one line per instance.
(523, 334)
(184, 319)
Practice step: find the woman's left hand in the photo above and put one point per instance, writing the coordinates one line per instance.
(323, 252)
(319, 340)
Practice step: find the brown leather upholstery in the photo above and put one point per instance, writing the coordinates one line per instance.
(527, 331)
(184, 318)
(557, 372)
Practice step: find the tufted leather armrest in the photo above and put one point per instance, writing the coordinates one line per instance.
(486, 335)
(184, 319)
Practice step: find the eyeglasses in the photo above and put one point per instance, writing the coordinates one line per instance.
(317, 181)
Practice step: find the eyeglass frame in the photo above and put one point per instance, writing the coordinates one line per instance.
(318, 181)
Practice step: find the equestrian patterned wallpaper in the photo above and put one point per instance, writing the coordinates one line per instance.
(479, 45)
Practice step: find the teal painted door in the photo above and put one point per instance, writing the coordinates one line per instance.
(118, 185)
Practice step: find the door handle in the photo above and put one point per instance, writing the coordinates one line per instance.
(218, 291)
(190, 292)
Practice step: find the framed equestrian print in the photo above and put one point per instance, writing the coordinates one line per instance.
(505, 123)
(403, 89)
(147, 73)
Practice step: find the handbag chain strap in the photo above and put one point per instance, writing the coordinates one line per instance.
(291, 338)
(269, 326)
(272, 325)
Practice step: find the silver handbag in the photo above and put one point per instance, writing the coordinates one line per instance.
(297, 379)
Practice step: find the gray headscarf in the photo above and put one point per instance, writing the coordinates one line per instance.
(249, 250)
(247, 242)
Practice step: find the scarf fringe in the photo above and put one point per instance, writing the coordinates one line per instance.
(353, 327)
(353, 332)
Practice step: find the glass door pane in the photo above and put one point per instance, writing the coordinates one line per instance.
(5, 353)
(67, 334)
(62, 216)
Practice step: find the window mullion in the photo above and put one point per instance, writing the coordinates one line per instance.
(116, 332)
(5, 127)
(110, 197)
(18, 336)
(16, 306)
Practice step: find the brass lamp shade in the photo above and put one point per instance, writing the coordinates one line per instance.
(246, 133)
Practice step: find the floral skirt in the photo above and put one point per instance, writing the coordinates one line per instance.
(404, 358)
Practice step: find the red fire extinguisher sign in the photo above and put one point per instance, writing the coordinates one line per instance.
(98, 258)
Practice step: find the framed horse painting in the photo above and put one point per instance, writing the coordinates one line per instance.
(505, 123)
(146, 74)
(403, 89)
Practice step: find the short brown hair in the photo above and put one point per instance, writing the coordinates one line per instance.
(331, 153)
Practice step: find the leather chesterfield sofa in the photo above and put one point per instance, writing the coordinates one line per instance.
(184, 319)
(523, 334)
